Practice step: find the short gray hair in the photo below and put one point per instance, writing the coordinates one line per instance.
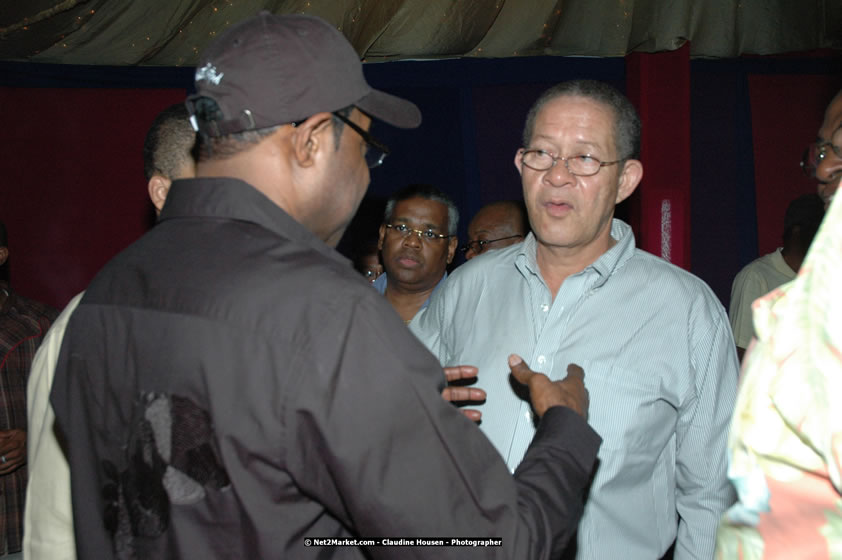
(626, 120)
(427, 192)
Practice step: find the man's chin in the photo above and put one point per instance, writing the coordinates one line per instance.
(828, 200)
(408, 278)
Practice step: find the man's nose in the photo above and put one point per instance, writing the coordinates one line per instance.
(413, 239)
(559, 174)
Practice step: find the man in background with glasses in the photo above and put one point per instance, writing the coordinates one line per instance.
(231, 388)
(828, 145)
(496, 225)
(785, 443)
(417, 242)
(654, 339)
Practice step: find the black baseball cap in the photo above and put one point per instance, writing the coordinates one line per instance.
(276, 69)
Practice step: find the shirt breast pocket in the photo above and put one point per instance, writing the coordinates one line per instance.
(630, 409)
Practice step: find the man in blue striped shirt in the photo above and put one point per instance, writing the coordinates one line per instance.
(654, 340)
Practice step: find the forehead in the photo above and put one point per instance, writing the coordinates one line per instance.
(489, 219)
(421, 211)
(832, 118)
(575, 113)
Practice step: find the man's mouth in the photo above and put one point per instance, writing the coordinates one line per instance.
(557, 208)
(828, 193)
(407, 261)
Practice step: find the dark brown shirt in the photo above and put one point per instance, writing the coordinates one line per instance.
(230, 387)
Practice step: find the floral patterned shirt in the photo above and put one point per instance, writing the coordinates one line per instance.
(786, 434)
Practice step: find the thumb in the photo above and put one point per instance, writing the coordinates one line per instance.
(574, 370)
(519, 369)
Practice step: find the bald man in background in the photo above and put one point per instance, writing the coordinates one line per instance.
(496, 225)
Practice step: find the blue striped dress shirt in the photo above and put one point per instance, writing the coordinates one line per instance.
(660, 367)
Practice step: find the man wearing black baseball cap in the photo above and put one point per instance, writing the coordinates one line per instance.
(231, 388)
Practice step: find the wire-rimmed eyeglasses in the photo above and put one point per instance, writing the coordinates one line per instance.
(583, 165)
(479, 245)
(817, 151)
(427, 235)
(376, 151)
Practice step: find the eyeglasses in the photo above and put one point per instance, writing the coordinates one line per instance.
(376, 152)
(478, 245)
(371, 274)
(583, 165)
(405, 231)
(816, 152)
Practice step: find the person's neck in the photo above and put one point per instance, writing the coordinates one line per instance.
(557, 263)
(793, 258)
(406, 301)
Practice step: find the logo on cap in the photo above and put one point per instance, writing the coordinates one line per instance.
(208, 72)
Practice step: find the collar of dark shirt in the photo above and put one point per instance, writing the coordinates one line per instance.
(227, 197)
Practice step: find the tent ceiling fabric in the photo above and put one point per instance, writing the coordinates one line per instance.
(173, 32)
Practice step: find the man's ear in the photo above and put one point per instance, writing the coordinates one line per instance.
(452, 244)
(519, 161)
(629, 179)
(381, 236)
(159, 187)
(308, 138)
(4, 254)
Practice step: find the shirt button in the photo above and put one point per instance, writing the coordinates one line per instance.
(545, 308)
(541, 360)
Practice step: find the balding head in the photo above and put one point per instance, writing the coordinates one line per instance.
(495, 226)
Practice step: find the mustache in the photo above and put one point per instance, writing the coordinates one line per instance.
(414, 254)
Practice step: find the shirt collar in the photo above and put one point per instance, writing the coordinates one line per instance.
(382, 280)
(233, 199)
(613, 259)
(779, 264)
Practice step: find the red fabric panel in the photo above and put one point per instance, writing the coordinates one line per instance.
(786, 112)
(659, 86)
(73, 192)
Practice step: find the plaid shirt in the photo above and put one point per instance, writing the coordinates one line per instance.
(23, 324)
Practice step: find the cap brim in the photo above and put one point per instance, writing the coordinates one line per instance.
(390, 109)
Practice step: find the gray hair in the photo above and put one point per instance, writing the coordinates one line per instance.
(626, 120)
(427, 192)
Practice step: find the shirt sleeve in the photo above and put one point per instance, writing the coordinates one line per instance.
(703, 491)
(374, 441)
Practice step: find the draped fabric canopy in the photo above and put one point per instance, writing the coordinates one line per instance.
(173, 32)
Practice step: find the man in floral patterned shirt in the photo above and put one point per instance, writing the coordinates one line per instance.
(786, 436)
